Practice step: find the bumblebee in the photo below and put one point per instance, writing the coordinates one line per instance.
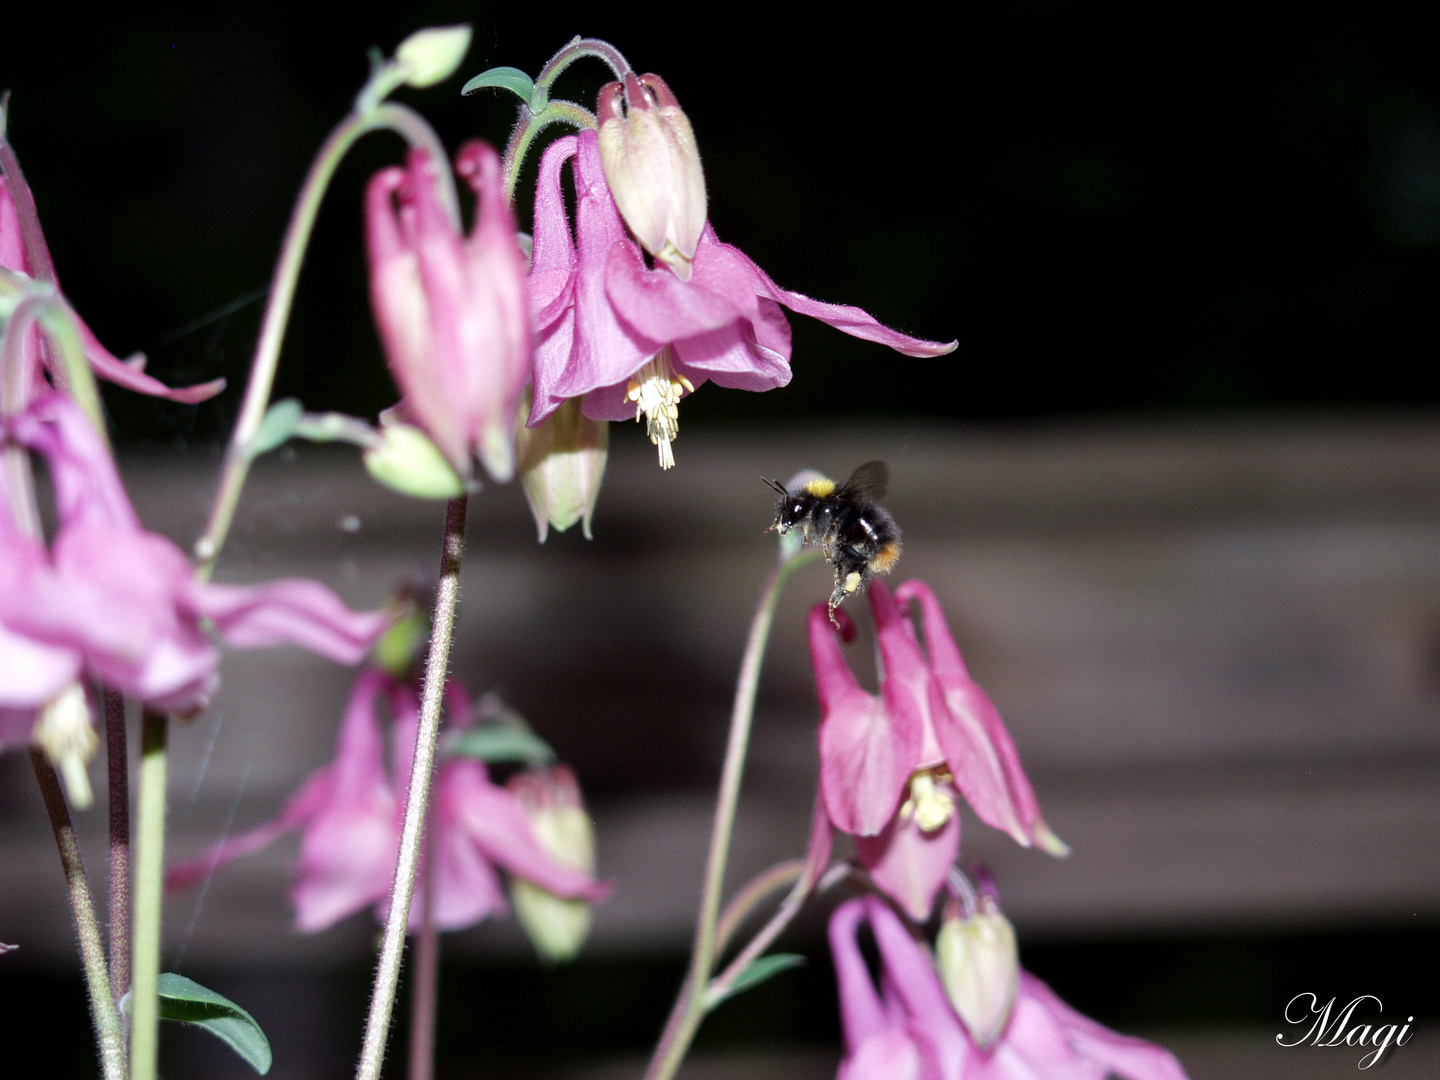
(855, 532)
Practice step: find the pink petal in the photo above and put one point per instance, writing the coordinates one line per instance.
(31, 673)
(977, 746)
(861, 1011)
(293, 611)
(888, 1055)
(467, 888)
(494, 819)
(1110, 1052)
(909, 865)
(299, 808)
(865, 757)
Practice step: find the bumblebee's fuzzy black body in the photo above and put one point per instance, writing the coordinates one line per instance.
(855, 532)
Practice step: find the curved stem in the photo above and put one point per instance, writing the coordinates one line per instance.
(690, 1008)
(413, 128)
(387, 974)
(752, 895)
(528, 125)
(108, 1032)
(578, 49)
(782, 918)
(149, 879)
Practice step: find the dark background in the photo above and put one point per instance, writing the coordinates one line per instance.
(1225, 207)
(1114, 209)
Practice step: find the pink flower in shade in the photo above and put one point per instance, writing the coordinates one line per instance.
(122, 604)
(127, 373)
(350, 812)
(453, 312)
(891, 765)
(907, 1030)
(630, 339)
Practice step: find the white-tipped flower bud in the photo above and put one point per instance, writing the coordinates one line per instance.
(431, 55)
(653, 167)
(979, 964)
(551, 798)
(562, 463)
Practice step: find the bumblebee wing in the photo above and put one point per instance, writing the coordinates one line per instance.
(869, 481)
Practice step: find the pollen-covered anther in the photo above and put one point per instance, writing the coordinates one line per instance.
(656, 391)
(930, 805)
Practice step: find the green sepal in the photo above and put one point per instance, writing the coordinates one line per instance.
(405, 459)
(502, 743)
(277, 427)
(505, 78)
(186, 1001)
(759, 971)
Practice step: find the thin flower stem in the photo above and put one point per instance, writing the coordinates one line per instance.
(118, 773)
(690, 1008)
(149, 879)
(578, 49)
(752, 896)
(387, 975)
(425, 984)
(782, 918)
(413, 128)
(530, 124)
(109, 1035)
(45, 307)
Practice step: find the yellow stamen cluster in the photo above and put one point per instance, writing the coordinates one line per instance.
(656, 391)
(928, 803)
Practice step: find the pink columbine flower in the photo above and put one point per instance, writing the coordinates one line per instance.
(893, 764)
(108, 599)
(453, 311)
(907, 1030)
(127, 373)
(633, 340)
(350, 814)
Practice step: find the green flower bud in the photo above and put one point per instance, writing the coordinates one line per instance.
(405, 459)
(979, 964)
(562, 463)
(431, 55)
(551, 798)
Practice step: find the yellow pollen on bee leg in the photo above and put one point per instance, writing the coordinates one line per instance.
(852, 581)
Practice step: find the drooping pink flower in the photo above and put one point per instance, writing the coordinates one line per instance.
(632, 340)
(128, 373)
(453, 312)
(124, 605)
(350, 815)
(893, 764)
(907, 1029)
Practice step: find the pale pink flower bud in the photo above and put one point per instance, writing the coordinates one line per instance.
(653, 168)
(453, 311)
(979, 964)
(556, 926)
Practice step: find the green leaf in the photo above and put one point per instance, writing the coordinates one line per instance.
(759, 971)
(277, 427)
(496, 743)
(506, 78)
(188, 1002)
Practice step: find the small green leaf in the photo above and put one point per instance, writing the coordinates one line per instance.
(759, 971)
(277, 427)
(188, 1002)
(506, 78)
(496, 743)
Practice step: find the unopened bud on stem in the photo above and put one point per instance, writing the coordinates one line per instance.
(979, 964)
(653, 167)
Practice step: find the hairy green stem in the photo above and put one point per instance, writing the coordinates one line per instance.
(117, 765)
(238, 455)
(528, 125)
(109, 1035)
(689, 1008)
(387, 974)
(149, 883)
